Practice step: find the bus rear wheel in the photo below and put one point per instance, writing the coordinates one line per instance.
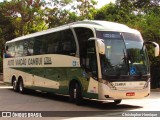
(15, 86)
(75, 94)
(21, 87)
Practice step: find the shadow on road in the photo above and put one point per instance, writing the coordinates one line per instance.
(88, 103)
(99, 108)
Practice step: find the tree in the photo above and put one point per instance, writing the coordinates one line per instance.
(61, 12)
(7, 29)
(7, 32)
(86, 9)
(108, 12)
(27, 15)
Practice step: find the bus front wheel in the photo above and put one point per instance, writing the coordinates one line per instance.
(117, 101)
(75, 94)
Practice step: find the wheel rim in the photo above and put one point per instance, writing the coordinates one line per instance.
(14, 85)
(21, 86)
(75, 93)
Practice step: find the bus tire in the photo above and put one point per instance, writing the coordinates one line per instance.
(15, 86)
(21, 86)
(117, 101)
(78, 95)
(75, 94)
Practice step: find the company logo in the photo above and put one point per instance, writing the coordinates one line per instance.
(120, 84)
(6, 114)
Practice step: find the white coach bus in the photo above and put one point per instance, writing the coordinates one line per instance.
(87, 59)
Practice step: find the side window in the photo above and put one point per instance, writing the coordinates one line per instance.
(28, 47)
(83, 34)
(68, 44)
(53, 40)
(9, 50)
(44, 46)
(19, 49)
(40, 45)
(30, 50)
(37, 45)
(25, 44)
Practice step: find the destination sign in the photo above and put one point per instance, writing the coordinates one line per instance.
(112, 35)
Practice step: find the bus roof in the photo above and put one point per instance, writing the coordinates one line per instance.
(105, 25)
(96, 24)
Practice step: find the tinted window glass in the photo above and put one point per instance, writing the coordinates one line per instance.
(10, 50)
(30, 44)
(37, 45)
(53, 41)
(61, 42)
(19, 49)
(83, 34)
(68, 45)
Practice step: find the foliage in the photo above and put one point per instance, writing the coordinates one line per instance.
(61, 12)
(27, 14)
(36, 15)
(7, 29)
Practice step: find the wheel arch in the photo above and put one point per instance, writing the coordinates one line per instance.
(74, 81)
(13, 79)
(19, 78)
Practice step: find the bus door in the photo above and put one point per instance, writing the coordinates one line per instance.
(95, 47)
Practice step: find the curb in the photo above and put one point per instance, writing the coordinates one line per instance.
(2, 83)
(6, 87)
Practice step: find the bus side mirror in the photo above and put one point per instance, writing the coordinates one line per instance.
(101, 46)
(156, 47)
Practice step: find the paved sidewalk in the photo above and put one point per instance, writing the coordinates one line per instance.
(3, 85)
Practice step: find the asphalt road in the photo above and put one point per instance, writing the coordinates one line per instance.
(59, 106)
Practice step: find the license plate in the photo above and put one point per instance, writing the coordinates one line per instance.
(130, 94)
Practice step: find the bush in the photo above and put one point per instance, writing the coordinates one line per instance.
(155, 72)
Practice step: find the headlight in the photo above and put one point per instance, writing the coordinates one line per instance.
(109, 84)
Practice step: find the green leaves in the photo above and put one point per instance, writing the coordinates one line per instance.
(66, 11)
(7, 29)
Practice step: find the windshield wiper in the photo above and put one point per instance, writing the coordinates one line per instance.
(125, 58)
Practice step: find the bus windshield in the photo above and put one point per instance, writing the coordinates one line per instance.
(124, 55)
